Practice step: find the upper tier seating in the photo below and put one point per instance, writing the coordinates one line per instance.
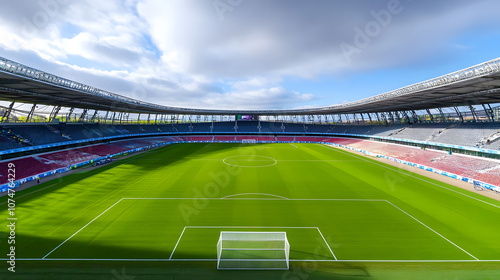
(463, 134)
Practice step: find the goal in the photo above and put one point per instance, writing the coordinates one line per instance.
(252, 141)
(253, 250)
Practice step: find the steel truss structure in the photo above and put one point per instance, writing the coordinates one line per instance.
(465, 95)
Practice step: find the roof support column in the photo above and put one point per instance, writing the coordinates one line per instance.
(370, 118)
(405, 115)
(92, 120)
(30, 114)
(378, 117)
(6, 115)
(113, 119)
(459, 114)
(384, 118)
(489, 113)
(430, 115)
(68, 116)
(473, 111)
(83, 115)
(443, 119)
(106, 117)
(415, 116)
(391, 117)
(54, 113)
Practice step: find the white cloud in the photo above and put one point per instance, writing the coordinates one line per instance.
(181, 53)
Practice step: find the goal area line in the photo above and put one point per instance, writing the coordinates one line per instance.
(249, 227)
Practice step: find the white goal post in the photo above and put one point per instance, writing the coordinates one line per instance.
(253, 250)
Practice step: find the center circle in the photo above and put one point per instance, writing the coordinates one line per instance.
(250, 161)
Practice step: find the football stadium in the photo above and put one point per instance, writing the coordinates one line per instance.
(96, 184)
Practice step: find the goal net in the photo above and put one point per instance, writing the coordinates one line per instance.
(253, 250)
(253, 141)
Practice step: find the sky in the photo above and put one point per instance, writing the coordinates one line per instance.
(250, 54)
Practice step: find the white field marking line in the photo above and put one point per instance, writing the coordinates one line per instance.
(249, 227)
(202, 227)
(82, 228)
(274, 163)
(293, 145)
(278, 160)
(291, 260)
(317, 160)
(335, 257)
(278, 196)
(432, 230)
(177, 243)
(256, 227)
(17, 197)
(399, 171)
(251, 249)
(278, 199)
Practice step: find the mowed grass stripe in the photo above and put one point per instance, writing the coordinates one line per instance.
(52, 215)
(158, 235)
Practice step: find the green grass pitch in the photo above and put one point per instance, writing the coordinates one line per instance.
(158, 215)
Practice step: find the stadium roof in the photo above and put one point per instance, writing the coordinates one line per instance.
(475, 85)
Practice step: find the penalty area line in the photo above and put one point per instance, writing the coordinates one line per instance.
(291, 260)
(463, 250)
(335, 257)
(263, 194)
(179, 240)
(82, 228)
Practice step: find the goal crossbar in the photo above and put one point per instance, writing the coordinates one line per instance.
(252, 250)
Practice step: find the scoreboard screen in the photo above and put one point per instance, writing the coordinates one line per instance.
(247, 117)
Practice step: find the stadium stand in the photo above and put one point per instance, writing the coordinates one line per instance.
(386, 130)
(248, 126)
(272, 127)
(202, 127)
(285, 138)
(7, 143)
(484, 135)
(486, 170)
(185, 127)
(134, 129)
(421, 131)
(38, 134)
(224, 138)
(294, 127)
(224, 127)
(316, 128)
(467, 134)
(471, 167)
(36, 164)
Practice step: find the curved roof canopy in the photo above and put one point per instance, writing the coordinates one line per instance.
(479, 84)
